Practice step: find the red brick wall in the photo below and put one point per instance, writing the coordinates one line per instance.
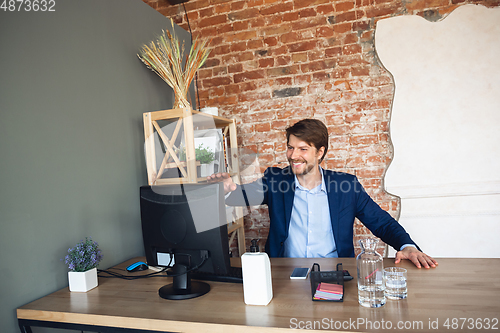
(278, 61)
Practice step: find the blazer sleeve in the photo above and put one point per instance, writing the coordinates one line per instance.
(379, 222)
(251, 194)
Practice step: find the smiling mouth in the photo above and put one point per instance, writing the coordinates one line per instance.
(297, 163)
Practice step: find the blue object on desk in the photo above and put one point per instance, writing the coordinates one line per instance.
(138, 266)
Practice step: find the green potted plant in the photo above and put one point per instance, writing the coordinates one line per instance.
(82, 261)
(204, 155)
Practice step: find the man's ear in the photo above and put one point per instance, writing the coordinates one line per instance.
(320, 153)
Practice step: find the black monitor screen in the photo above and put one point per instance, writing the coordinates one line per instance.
(185, 219)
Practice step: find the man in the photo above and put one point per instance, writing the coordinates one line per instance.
(312, 210)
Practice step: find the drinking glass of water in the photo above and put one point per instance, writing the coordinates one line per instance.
(395, 283)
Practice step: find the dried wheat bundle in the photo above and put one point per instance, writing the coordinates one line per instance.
(165, 59)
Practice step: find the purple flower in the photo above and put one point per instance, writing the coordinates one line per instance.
(84, 256)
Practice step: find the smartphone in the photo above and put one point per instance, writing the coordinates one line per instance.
(300, 273)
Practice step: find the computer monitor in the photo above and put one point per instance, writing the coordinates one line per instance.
(188, 222)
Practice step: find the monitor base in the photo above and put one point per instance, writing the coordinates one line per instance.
(197, 289)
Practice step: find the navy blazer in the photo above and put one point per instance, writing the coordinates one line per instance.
(347, 200)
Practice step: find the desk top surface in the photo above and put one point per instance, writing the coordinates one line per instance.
(457, 288)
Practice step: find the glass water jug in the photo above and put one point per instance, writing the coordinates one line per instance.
(370, 275)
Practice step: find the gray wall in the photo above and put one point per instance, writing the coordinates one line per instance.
(72, 94)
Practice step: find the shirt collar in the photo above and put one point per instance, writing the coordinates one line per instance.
(322, 187)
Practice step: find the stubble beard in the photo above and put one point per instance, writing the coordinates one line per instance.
(307, 167)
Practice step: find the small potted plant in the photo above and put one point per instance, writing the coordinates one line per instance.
(204, 155)
(82, 261)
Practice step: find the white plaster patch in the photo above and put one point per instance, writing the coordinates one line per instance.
(445, 127)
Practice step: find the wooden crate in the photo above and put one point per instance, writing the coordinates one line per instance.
(186, 120)
(189, 120)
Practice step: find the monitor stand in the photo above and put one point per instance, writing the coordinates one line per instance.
(182, 286)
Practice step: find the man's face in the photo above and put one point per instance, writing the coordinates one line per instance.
(302, 157)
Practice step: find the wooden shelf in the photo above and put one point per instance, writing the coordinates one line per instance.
(184, 122)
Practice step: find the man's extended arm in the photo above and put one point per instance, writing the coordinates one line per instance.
(224, 177)
(389, 230)
(251, 194)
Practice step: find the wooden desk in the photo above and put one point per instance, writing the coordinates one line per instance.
(458, 288)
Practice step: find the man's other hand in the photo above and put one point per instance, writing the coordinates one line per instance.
(229, 185)
(418, 258)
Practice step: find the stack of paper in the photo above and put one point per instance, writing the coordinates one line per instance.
(329, 291)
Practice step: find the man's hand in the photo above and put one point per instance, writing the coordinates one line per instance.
(229, 185)
(418, 258)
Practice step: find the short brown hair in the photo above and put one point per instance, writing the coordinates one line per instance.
(311, 131)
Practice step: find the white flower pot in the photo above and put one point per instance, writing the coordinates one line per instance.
(211, 110)
(206, 169)
(82, 281)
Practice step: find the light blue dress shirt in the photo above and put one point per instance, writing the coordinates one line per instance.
(310, 232)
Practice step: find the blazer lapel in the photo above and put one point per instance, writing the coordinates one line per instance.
(288, 195)
(333, 204)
